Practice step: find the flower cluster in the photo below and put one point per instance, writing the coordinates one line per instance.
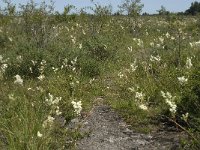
(120, 75)
(77, 107)
(188, 63)
(169, 99)
(182, 80)
(48, 122)
(195, 44)
(52, 101)
(139, 42)
(18, 80)
(139, 96)
(41, 69)
(133, 66)
(70, 64)
(155, 58)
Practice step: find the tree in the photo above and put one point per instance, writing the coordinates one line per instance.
(163, 11)
(131, 7)
(194, 8)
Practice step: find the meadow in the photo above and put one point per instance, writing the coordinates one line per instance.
(54, 65)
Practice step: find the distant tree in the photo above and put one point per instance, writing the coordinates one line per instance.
(65, 15)
(194, 8)
(145, 14)
(180, 13)
(131, 7)
(163, 11)
(117, 13)
(10, 9)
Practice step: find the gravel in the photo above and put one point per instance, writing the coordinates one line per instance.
(105, 130)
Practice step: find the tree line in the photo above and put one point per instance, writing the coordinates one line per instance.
(194, 9)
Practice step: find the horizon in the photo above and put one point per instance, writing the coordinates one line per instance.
(150, 7)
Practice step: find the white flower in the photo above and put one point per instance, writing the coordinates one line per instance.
(55, 69)
(157, 45)
(130, 48)
(169, 99)
(56, 100)
(50, 119)
(140, 43)
(3, 60)
(172, 38)
(143, 107)
(195, 44)
(58, 112)
(74, 61)
(48, 122)
(188, 63)
(139, 95)
(121, 75)
(167, 35)
(11, 97)
(39, 134)
(40, 89)
(18, 80)
(155, 58)
(52, 101)
(182, 80)
(133, 66)
(74, 40)
(173, 108)
(91, 80)
(77, 107)
(3, 67)
(132, 89)
(161, 39)
(10, 39)
(83, 32)
(191, 44)
(80, 46)
(185, 116)
(19, 58)
(33, 62)
(152, 44)
(41, 77)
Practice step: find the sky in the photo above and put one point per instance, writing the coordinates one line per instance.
(150, 6)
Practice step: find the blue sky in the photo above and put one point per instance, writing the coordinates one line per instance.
(150, 6)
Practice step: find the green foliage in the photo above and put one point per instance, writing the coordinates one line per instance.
(3, 40)
(194, 8)
(190, 99)
(96, 49)
(90, 68)
(65, 16)
(163, 11)
(132, 7)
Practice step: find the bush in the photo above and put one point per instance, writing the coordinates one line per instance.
(96, 48)
(90, 68)
(190, 99)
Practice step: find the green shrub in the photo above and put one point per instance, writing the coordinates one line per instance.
(90, 68)
(96, 48)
